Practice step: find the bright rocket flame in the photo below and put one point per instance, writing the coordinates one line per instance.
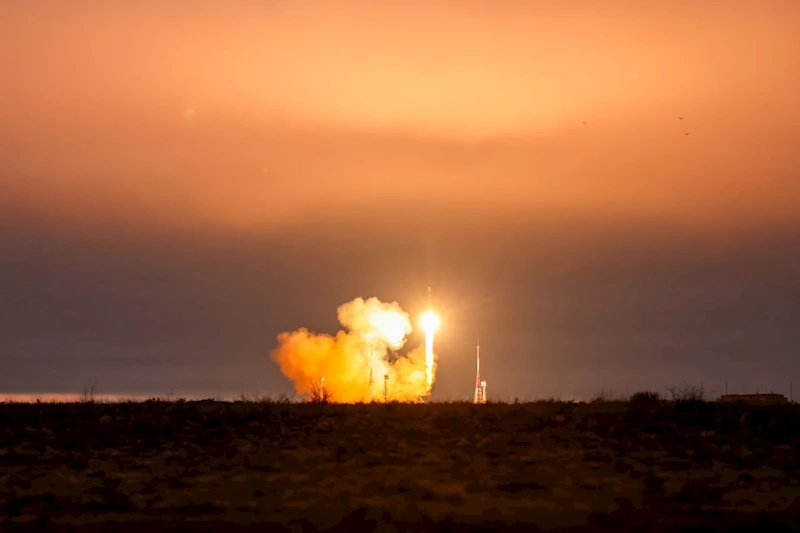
(429, 322)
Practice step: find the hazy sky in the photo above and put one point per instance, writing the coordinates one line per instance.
(180, 181)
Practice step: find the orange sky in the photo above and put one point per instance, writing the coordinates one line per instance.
(333, 107)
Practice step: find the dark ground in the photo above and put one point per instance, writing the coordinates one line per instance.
(398, 467)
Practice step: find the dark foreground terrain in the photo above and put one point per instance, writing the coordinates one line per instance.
(438, 467)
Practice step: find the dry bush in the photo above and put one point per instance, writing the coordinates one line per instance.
(319, 394)
(687, 394)
(603, 397)
(88, 393)
(644, 397)
(282, 398)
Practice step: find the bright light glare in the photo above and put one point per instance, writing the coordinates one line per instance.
(429, 321)
(390, 326)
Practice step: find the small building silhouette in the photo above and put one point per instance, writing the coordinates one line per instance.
(754, 399)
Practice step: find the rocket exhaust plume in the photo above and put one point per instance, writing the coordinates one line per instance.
(429, 321)
(373, 332)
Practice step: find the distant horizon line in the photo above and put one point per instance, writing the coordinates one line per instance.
(83, 397)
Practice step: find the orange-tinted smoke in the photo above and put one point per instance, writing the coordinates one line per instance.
(372, 329)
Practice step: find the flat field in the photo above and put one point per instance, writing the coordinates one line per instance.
(270, 466)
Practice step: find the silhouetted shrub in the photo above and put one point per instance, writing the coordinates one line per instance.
(88, 393)
(602, 397)
(644, 397)
(319, 394)
(688, 396)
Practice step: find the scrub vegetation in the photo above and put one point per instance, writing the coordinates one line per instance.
(643, 464)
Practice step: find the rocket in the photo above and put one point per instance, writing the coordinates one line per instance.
(480, 386)
(429, 297)
(478, 357)
(478, 374)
